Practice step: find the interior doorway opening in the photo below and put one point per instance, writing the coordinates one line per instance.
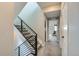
(53, 37)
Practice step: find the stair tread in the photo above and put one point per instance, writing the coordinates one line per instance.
(18, 25)
(25, 33)
(28, 35)
(24, 30)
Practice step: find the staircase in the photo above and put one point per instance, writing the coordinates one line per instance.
(28, 47)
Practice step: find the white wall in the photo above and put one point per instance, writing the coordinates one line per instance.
(6, 30)
(18, 38)
(18, 6)
(33, 16)
(73, 20)
(8, 12)
(70, 29)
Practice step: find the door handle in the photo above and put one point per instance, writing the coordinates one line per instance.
(62, 36)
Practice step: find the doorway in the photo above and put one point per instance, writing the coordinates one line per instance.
(53, 37)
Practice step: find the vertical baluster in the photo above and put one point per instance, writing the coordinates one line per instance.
(21, 26)
(36, 45)
(18, 51)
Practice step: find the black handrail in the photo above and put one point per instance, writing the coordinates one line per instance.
(27, 25)
(27, 40)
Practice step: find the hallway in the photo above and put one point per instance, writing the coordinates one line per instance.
(52, 49)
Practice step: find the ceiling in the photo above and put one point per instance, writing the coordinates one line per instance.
(51, 15)
(50, 9)
(47, 4)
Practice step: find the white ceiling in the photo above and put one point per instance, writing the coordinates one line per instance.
(52, 14)
(47, 4)
(50, 9)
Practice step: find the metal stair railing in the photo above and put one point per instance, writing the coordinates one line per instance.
(22, 26)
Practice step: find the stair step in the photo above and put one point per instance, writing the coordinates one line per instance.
(39, 47)
(33, 43)
(18, 25)
(33, 52)
(30, 55)
(32, 38)
(28, 36)
(24, 30)
(27, 33)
